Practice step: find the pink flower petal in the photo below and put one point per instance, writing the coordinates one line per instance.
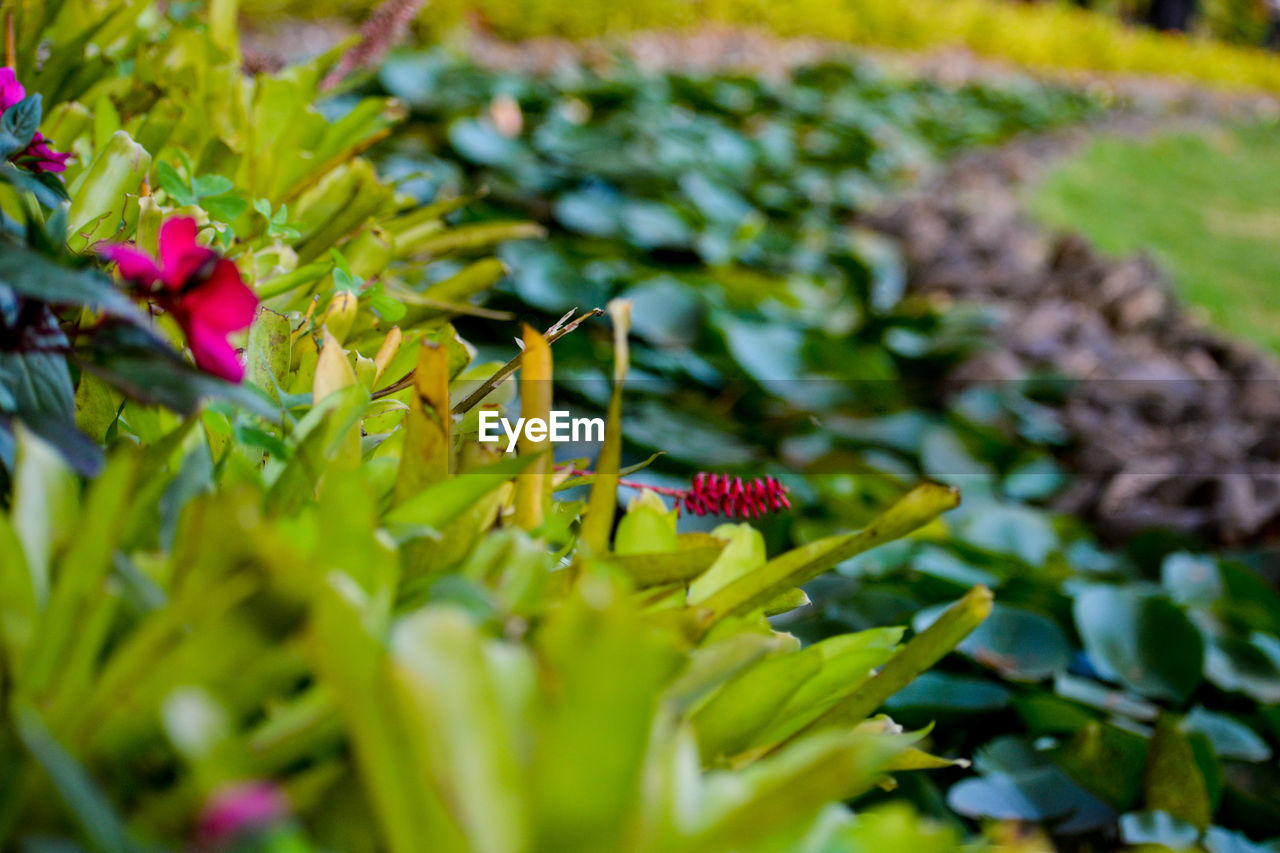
(222, 301)
(213, 353)
(44, 158)
(240, 809)
(180, 256)
(133, 265)
(11, 91)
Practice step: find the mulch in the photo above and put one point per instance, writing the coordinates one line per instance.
(1170, 422)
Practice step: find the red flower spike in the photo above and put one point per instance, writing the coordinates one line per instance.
(720, 494)
(201, 289)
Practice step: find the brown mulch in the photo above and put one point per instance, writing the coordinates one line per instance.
(1171, 423)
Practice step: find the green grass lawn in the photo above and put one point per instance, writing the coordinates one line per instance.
(1206, 204)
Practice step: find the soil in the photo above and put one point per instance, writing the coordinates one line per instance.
(1170, 422)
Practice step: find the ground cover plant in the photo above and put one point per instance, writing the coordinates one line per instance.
(294, 604)
(1114, 695)
(1204, 211)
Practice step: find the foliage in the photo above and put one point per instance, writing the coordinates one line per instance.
(1045, 35)
(1099, 672)
(339, 603)
(210, 622)
(718, 206)
(1203, 211)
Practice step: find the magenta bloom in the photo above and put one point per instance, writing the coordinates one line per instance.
(719, 494)
(234, 812)
(37, 156)
(201, 289)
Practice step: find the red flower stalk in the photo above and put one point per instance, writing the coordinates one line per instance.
(201, 289)
(720, 494)
(37, 156)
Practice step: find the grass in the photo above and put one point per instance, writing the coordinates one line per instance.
(1205, 204)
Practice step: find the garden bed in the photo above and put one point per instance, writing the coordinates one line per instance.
(1171, 423)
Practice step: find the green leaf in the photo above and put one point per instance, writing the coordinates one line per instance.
(19, 124)
(847, 661)
(1106, 760)
(647, 528)
(108, 186)
(267, 351)
(63, 639)
(714, 663)
(225, 208)
(469, 238)
(730, 720)
(607, 663)
(480, 142)
(19, 608)
(320, 438)
(387, 308)
(174, 184)
(922, 652)
(602, 503)
(47, 187)
(457, 707)
(939, 693)
(34, 276)
(291, 280)
(1250, 666)
(690, 560)
(1172, 781)
(387, 743)
(211, 185)
(1157, 829)
(41, 396)
(1231, 739)
(796, 782)
(44, 507)
(1019, 644)
(442, 502)
(87, 805)
(744, 553)
(138, 362)
(803, 564)
(1141, 640)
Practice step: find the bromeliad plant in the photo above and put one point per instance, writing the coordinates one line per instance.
(425, 647)
(1097, 669)
(80, 361)
(350, 625)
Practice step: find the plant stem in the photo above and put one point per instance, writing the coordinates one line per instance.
(553, 334)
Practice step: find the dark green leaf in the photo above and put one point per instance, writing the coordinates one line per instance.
(1141, 640)
(40, 278)
(19, 124)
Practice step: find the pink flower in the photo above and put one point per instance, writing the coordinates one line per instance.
(235, 811)
(202, 290)
(37, 156)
